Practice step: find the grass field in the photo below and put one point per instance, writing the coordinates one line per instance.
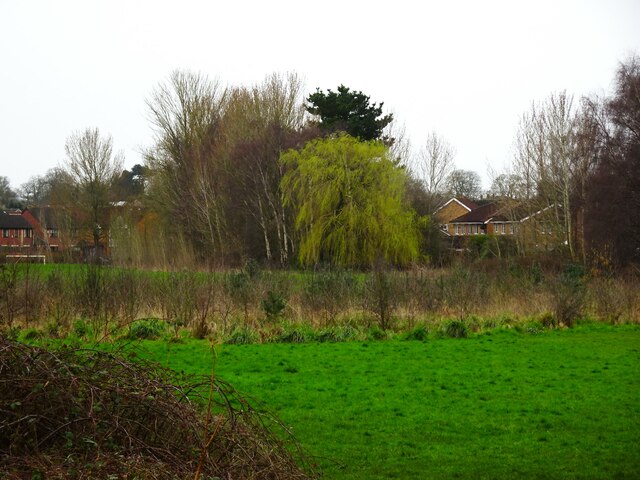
(562, 404)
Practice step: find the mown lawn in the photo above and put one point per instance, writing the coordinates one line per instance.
(563, 404)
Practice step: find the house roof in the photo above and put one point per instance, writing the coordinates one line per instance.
(13, 220)
(465, 202)
(497, 212)
(45, 215)
(479, 215)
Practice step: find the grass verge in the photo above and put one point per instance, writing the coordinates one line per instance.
(562, 404)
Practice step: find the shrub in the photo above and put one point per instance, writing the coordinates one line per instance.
(107, 417)
(59, 305)
(32, 293)
(12, 333)
(376, 333)
(381, 295)
(252, 268)
(150, 329)
(273, 305)
(80, 328)
(463, 289)
(337, 334)
(240, 289)
(328, 291)
(547, 320)
(531, 327)
(568, 295)
(200, 330)
(293, 335)
(608, 299)
(90, 290)
(419, 333)
(177, 298)
(456, 329)
(241, 336)
(535, 273)
(53, 329)
(9, 302)
(32, 334)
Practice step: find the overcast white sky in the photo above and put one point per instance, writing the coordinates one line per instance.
(466, 69)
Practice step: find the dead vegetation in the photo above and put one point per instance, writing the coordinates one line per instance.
(81, 413)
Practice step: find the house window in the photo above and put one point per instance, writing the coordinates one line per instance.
(27, 232)
(52, 232)
(457, 229)
(512, 229)
(5, 233)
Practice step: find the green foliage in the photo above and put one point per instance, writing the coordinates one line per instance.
(32, 334)
(349, 201)
(251, 268)
(535, 273)
(241, 336)
(239, 286)
(12, 333)
(419, 333)
(337, 334)
(376, 333)
(53, 329)
(491, 246)
(294, 334)
(80, 328)
(274, 305)
(147, 329)
(348, 111)
(456, 329)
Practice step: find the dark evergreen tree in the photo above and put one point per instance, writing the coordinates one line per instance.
(349, 111)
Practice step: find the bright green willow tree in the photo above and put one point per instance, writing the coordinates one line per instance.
(348, 201)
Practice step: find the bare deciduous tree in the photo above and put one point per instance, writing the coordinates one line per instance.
(464, 183)
(613, 189)
(93, 167)
(553, 160)
(34, 190)
(188, 170)
(261, 122)
(395, 135)
(7, 195)
(435, 163)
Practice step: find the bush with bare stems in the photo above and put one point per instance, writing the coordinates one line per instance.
(78, 413)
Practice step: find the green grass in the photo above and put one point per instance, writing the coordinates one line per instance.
(563, 404)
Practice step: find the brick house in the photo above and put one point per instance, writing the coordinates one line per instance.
(16, 233)
(46, 228)
(487, 219)
(454, 208)
(498, 217)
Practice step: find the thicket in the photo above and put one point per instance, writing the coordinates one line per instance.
(78, 413)
(326, 304)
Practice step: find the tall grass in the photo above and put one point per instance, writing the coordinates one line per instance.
(110, 299)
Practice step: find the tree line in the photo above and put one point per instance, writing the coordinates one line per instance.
(265, 173)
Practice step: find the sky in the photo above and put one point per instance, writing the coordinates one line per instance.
(467, 70)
